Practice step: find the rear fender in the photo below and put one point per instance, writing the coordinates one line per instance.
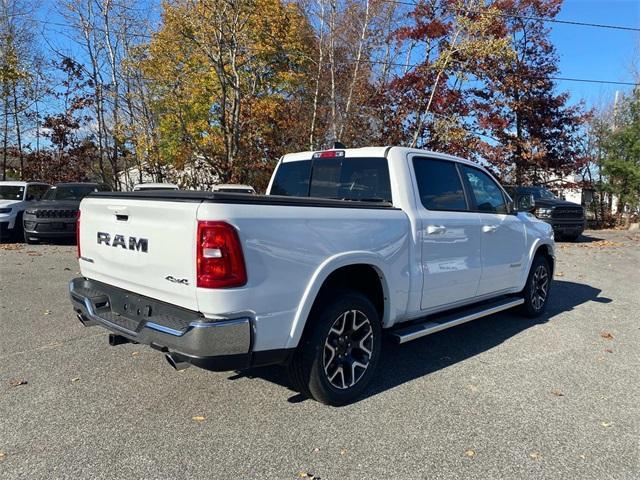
(320, 276)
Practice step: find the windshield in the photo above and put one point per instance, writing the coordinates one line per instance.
(69, 192)
(541, 193)
(11, 192)
(538, 193)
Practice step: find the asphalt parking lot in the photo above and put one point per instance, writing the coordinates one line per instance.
(503, 397)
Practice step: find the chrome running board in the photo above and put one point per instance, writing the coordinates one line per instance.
(437, 324)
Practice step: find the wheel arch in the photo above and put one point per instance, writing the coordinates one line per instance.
(546, 250)
(340, 272)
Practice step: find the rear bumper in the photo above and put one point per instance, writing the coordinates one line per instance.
(214, 345)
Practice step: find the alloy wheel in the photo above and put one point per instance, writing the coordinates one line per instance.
(539, 287)
(347, 349)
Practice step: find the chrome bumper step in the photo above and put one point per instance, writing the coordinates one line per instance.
(435, 324)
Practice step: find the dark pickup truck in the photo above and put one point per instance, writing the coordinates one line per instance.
(566, 218)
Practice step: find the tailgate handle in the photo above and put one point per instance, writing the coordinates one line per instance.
(122, 217)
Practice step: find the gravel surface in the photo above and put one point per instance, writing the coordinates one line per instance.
(502, 397)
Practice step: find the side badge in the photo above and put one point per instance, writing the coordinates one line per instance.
(181, 281)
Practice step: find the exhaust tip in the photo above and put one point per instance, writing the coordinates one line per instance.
(178, 362)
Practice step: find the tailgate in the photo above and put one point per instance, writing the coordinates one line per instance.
(144, 246)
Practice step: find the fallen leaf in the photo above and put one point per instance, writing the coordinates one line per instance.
(557, 393)
(47, 312)
(470, 453)
(135, 354)
(559, 274)
(16, 382)
(535, 455)
(316, 450)
(343, 451)
(67, 269)
(606, 335)
(606, 424)
(307, 475)
(75, 379)
(198, 418)
(2, 456)
(608, 350)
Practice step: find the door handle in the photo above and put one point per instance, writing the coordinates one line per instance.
(489, 228)
(436, 229)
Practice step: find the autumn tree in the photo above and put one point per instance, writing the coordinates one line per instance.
(534, 129)
(226, 79)
(72, 155)
(449, 42)
(17, 69)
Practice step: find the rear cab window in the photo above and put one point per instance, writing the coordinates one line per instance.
(356, 179)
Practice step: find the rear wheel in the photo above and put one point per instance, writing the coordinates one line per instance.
(337, 357)
(536, 290)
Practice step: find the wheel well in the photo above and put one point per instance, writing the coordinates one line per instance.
(361, 278)
(545, 251)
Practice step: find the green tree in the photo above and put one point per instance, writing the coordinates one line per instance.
(621, 162)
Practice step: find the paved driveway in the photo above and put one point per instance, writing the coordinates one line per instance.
(503, 397)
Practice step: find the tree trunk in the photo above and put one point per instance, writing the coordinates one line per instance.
(363, 37)
(5, 138)
(316, 92)
(18, 132)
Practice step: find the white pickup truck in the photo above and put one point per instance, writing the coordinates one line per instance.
(346, 244)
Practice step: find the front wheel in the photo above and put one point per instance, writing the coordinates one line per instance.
(337, 357)
(536, 290)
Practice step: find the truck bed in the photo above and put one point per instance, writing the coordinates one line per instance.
(242, 198)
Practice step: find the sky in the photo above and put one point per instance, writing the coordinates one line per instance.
(597, 53)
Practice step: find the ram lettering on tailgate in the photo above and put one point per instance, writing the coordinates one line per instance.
(132, 243)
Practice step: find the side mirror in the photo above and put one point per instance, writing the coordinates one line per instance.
(525, 203)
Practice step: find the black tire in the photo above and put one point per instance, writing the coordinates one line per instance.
(339, 334)
(537, 289)
(18, 229)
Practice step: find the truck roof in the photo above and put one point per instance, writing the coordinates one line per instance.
(18, 183)
(369, 152)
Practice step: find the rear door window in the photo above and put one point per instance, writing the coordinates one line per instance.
(439, 184)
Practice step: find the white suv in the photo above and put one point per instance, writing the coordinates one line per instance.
(15, 197)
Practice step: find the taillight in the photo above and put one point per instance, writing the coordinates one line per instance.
(220, 262)
(78, 252)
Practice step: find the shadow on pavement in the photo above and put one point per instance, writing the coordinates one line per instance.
(402, 363)
(584, 238)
